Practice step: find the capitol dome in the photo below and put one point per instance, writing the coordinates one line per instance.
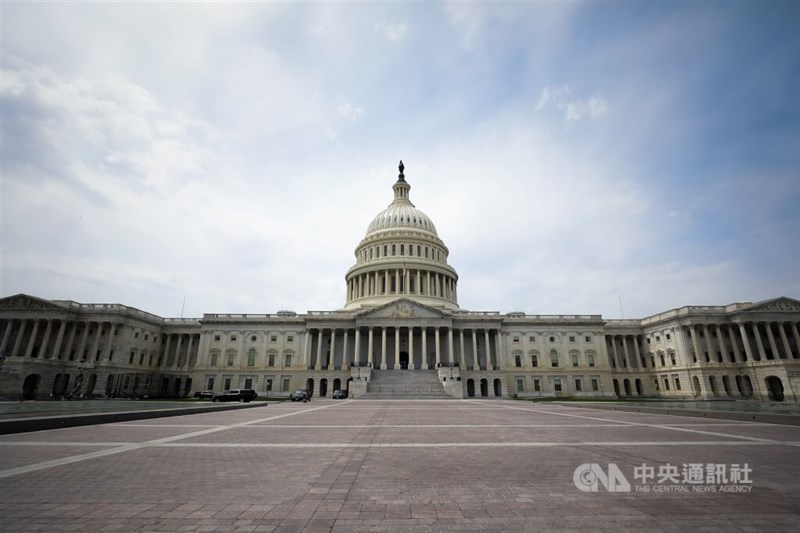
(401, 256)
(401, 214)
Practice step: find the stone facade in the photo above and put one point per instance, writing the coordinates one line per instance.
(401, 314)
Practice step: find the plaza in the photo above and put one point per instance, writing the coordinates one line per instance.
(388, 465)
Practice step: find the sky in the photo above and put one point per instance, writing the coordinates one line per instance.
(608, 158)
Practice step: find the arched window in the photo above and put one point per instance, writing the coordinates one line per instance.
(534, 359)
(288, 359)
(402, 249)
(384, 251)
(554, 358)
(251, 357)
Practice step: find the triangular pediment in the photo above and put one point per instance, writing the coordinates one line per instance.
(25, 302)
(403, 308)
(782, 304)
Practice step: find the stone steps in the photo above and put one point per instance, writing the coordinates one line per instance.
(405, 384)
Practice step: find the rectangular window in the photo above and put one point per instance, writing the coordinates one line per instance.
(273, 338)
(248, 383)
(268, 384)
(536, 385)
(574, 359)
(517, 361)
(216, 338)
(677, 384)
(233, 337)
(534, 360)
(516, 339)
(272, 359)
(285, 387)
(146, 337)
(130, 359)
(520, 385)
(668, 337)
(578, 385)
(572, 339)
(595, 385)
(655, 382)
(214, 359)
(288, 360)
(141, 359)
(532, 339)
(227, 382)
(136, 335)
(210, 383)
(557, 384)
(588, 338)
(590, 357)
(658, 338)
(290, 338)
(230, 359)
(666, 384)
(672, 358)
(553, 359)
(251, 360)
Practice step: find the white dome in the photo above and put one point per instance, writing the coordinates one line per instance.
(402, 214)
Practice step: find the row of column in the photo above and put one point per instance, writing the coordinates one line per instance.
(699, 346)
(63, 339)
(47, 341)
(401, 281)
(620, 355)
(703, 352)
(376, 338)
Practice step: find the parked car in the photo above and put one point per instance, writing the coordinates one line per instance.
(339, 394)
(235, 395)
(301, 395)
(204, 394)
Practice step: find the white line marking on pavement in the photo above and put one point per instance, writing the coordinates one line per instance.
(135, 446)
(537, 444)
(655, 426)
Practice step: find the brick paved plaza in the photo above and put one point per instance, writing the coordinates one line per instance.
(460, 465)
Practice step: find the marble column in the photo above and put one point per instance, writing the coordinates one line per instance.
(32, 339)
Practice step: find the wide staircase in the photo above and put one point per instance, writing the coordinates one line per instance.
(405, 384)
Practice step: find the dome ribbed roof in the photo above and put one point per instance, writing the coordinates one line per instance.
(402, 214)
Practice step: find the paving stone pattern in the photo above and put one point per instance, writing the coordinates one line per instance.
(460, 465)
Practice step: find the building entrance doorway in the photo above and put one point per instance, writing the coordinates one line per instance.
(31, 386)
(403, 360)
(775, 388)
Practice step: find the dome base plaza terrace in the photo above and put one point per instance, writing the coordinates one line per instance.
(400, 334)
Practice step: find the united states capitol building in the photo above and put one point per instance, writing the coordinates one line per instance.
(400, 334)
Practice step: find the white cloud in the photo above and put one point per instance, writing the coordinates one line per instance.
(392, 32)
(349, 111)
(574, 110)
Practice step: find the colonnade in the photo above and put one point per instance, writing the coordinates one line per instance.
(401, 347)
(741, 342)
(737, 342)
(95, 341)
(402, 281)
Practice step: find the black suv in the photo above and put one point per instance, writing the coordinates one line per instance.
(235, 395)
(301, 396)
